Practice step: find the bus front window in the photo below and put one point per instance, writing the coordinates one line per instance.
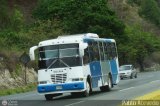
(58, 56)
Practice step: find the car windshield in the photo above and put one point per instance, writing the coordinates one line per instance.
(123, 68)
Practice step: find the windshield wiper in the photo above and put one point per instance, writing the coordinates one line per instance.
(64, 63)
(51, 64)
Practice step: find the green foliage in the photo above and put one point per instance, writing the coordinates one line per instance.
(138, 2)
(4, 17)
(140, 44)
(10, 20)
(151, 11)
(23, 39)
(29, 87)
(17, 20)
(58, 17)
(10, 25)
(41, 30)
(81, 16)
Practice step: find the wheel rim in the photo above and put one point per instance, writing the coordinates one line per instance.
(87, 87)
(109, 82)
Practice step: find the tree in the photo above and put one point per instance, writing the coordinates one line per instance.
(151, 11)
(81, 16)
(4, 17)
(139, 45)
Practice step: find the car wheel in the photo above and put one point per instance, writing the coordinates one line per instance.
(135, 75)
(131, 77)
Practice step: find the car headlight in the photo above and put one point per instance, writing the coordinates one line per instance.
(128, 72)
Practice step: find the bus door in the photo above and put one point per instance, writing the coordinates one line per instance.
(95, 67)
(105, 65)
(113, 62)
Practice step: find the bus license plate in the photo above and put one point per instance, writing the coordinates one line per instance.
(58, 87)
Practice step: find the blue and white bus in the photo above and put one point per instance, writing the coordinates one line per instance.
(76, 64)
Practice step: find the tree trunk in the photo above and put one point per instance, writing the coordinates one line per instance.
(140, 62)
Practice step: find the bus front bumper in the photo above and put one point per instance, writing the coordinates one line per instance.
(60, 87)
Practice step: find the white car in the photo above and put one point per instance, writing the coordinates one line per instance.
(127, 71)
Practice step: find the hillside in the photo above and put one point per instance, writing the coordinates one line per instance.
(26, 7)
(135, 24)
(128, 11)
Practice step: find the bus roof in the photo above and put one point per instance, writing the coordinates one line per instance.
(99, 39)
(77, 38)
(87, 35)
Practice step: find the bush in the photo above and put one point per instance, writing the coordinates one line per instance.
(81, 16)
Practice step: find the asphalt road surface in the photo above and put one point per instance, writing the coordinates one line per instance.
(126, 89)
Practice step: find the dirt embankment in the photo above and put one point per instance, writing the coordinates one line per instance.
(10, 80)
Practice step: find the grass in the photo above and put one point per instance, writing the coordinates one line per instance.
(22, 89)
(155, 95)
(150, 99)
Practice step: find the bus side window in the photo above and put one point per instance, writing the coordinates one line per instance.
(86, 56)
(109, 50)
(113, 48)
(106, 51)
(90, 51)
(101, 50)
(96, 51)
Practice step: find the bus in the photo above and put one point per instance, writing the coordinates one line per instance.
(76, 64)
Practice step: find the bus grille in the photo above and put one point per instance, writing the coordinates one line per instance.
(58, 78)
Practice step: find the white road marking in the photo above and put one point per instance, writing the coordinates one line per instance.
(150, 76)
(74, 103)
(154, 81)
(126, 89)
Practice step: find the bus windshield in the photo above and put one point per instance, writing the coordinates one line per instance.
(57, 56)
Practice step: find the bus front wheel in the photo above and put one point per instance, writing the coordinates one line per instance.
(48, 97)
(87, 91)
(51, 96)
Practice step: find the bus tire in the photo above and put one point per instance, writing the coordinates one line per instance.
(102, 88)
(48, 97)
(109, 86)
(87, 91)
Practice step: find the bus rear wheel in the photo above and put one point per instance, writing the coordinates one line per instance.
(107, 87)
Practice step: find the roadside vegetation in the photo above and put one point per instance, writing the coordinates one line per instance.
(155, 95)
(21, 89)
(135, 24)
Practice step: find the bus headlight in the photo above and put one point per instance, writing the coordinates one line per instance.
(77, 79)
(42, 82)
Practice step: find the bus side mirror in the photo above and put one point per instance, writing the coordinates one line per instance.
(32, 53)
(81, 52)
(82, 46)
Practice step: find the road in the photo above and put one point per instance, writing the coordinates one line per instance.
(127, 89)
